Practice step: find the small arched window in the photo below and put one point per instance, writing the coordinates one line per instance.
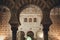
(25, 19)
(30, 19)
(35, 19)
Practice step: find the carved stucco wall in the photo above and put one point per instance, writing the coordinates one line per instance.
(54, 31)
(5, 28)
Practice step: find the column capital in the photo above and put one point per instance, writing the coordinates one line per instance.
(46, 27)
(14, 17)
(46, 17)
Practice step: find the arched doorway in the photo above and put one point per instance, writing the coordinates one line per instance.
(21, 35)
(31, 35)
(54, 32)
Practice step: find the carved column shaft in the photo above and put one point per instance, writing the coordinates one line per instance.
(45, 30)
(46, 22)
(14, 31)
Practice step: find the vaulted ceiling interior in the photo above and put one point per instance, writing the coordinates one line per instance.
(16, 5)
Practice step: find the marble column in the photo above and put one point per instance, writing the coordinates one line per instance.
(46, 22)
(45, 30)
(14, 28)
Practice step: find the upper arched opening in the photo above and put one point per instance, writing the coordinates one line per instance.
(31, 11)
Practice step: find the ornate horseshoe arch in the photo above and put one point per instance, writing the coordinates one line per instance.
(26, 4)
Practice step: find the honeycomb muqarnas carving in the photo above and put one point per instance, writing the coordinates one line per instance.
(5, 29)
